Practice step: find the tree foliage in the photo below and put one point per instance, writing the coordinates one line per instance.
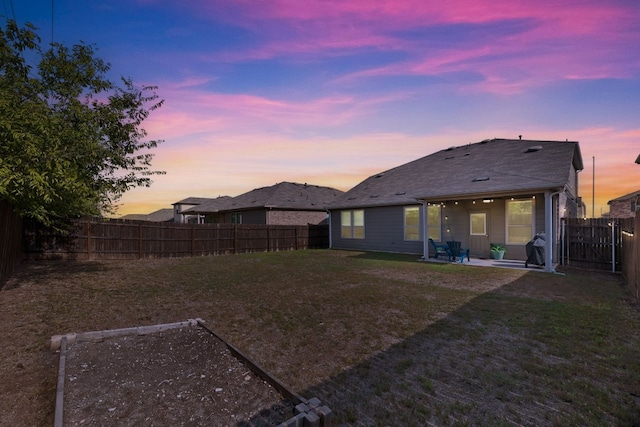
(71, 141)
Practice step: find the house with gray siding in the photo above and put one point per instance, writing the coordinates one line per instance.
(285, 203)
(495, 191)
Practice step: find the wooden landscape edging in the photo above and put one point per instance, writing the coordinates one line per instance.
(308, 411)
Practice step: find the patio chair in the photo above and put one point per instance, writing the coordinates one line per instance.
(440, 250)
(457, 251)
(454, 247)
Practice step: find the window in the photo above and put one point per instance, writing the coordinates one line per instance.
(433, 222)
(236, 218)
(412, 223)
(519, 221)
(352, 224)
(478, 223)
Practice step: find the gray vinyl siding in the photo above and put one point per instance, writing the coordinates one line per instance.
(383, 231)
(384, 227)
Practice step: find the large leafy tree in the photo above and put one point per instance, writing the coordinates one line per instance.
(71, 141)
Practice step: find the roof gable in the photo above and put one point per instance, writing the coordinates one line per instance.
(625, 197)
(487, 167)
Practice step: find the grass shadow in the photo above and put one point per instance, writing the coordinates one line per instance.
(507, 357)
(29, 270)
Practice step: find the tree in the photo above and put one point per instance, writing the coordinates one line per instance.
(71, 142)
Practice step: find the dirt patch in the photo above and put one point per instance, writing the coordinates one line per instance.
(178, 377)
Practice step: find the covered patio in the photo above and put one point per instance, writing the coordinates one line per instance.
(498, 263)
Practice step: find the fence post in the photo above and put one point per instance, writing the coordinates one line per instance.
(613, 246)
(88, 239)
(235, 240)
(140, 241)
(193, 241)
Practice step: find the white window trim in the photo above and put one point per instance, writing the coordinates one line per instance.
(404, 218)
(352, 225)
(471, 233)
(429, 226)
(506, 220)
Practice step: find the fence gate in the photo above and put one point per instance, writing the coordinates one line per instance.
(593, 243)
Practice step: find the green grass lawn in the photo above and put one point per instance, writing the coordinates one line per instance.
(381, 339)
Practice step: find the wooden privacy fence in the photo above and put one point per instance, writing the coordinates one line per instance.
(594, 243)
(10, 240)
(119, 239)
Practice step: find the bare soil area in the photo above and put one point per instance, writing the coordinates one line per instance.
(177, 377)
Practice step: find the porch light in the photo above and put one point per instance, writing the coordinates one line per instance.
(487, 200)
(456, 202)
(474, 202)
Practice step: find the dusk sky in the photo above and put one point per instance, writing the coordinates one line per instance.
(330, 92)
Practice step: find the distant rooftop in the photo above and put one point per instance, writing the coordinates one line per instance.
(284, 195)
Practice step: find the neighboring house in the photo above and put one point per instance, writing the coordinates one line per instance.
(161, 215)
(286, 203)
(624, 206)
(495, 191)
(180, 208)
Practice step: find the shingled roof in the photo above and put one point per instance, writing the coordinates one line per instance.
(161, 215)
(490, 167)
(625, 197)
(197, 200)
(284, 195)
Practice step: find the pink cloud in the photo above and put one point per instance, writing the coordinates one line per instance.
(190, 110)
(561, 41)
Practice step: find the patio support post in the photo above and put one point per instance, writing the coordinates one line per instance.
(548, 231)
(425, 237)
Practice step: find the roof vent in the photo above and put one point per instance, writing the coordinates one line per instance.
(401, 193)
(450, 148)
(481, 178)
(380, 175)
(534, 148)
(450, 157)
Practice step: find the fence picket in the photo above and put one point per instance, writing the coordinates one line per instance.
(594, 243)
(121, 239)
